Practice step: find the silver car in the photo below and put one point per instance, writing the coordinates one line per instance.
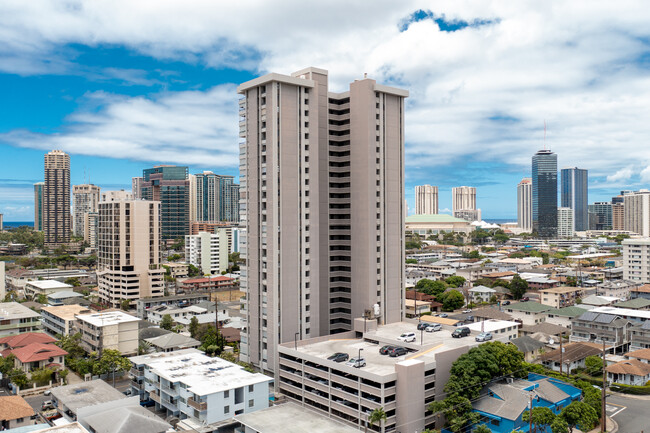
(434, 327)
(484, 336)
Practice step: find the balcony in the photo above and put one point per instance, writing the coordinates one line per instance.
(136, 385)
(169, 391)
(154, 396)
(198, 405)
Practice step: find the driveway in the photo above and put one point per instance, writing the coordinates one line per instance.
(631, 414)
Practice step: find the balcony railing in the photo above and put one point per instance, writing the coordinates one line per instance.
(198, 405)
(154, 396)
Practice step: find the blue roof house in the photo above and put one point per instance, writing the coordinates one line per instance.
(505, 403)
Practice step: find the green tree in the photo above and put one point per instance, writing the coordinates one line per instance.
(125, 304)
(73, 281)
(111, 360)
(194, 326)
(411, 261)
(42, 376)
(212, 342)
(193, 271)
(542, 417)
(71, 344)
(518, 286)
(452, 300)
(559, 425)
(174, 257)
(7, 364)
(41, 299)
(482, 429)
(431, 287)
(179, 244)
(144, 347)
(166, 322)
(63, 374)
(579, 415)
(19, 378)
(594, 365)
(376, 416)
(455, 281)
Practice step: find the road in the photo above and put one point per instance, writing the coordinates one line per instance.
(631, 414)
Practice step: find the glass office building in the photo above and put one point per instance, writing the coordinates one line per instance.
(574, 195)
(545, 194)
(169, 184)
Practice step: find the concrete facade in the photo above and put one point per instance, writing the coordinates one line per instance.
(208, 251)
(636, 212)
(565, 222)
(322, 202)
(129, 254)
(85, 199)
(16, 319)
(108, 330)
(426, 200)
(636, 260)
(56, 198)
(525, 204)
(463, 198)
(60, 320)
(38, 206)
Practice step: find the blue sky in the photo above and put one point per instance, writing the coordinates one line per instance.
(122, 89)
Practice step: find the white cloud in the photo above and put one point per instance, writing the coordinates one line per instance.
(189, 127)
(481, 93)
(645, 175)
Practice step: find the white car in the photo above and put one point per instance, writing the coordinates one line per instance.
(434, 327)
(356, 362)
(407, 337)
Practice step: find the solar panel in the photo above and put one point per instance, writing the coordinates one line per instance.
(646, 325)
(588, 316)
(605, 318)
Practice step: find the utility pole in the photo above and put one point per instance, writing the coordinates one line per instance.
(561, 353)
(603, 421)
(530, 414)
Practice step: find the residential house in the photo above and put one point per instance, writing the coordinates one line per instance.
(560, 297)
(490, 313)
(482, 293)
(530, 347)
(22, 340)
(415, 308)
(172, 342)
(38, 355)
(15, 412)
(598, 327)
(548, 329)
(155, 315)
(570, 357)
(123, 415)
(642, 355)
(640, 292)
(59, 298)
(619, 289)
(60, 320)
(108, 330)
(635, 304)
(500, 329)
(69, 399)
(528, 313)
(16, 319)
(599, 301)
(190, 385)
(503, 407)
(629, 372)
(144, 305)
(563, 316)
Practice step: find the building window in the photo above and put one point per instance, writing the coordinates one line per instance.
(251, 388)
(251, 403)
(226, 409)
(226, 394)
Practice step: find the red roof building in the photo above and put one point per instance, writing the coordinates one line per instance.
(25, 339)
(37, 355)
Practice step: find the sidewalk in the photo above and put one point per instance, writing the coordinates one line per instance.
(633, 396)
(611, 427)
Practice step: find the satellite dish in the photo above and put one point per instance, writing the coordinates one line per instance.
(551, 341)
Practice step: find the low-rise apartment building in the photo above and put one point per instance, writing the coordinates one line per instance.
(640, 336)
(500, 329)
(220, 282)
(108, 330)
(16, 319)
(403, 386)
(196, 388)
(155, 315)
(45, 287)
(619, 288)
(144, 305)
(640, 292)
(560, 297)
(60, 320)
(563, 316)
(528, 313)
(636, 260)
(598, 327)
(70, 399)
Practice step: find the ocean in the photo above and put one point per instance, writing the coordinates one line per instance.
(11, 224)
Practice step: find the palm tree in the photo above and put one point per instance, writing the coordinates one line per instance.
(376, 416)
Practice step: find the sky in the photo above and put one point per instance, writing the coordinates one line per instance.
(123, 85)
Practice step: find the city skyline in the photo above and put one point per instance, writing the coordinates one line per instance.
(490, 78)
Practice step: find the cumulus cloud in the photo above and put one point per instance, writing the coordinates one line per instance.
(480, 90)
(188, 127)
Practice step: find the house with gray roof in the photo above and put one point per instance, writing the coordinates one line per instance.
(528, 313)
(563, 316)
(123, 419)
(597, 327)
(504, 403)
(634, 304)
(69, 399)
(530, 347)
(171, 342)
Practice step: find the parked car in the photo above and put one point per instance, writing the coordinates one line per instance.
(47, 404)
(433, 327)
(525, 299)
(385, 349)
(505, 303)
(469, 310)
(470, 318)
(147, 403)
(422, 325)
(484, 336)
(407, 337)
(444, 315)
(397, 351)
(127, 392)
(461, 332)
(356, 362)
(339, 357)
(48, 392)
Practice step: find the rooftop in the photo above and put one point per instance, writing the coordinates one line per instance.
(527, 344)
(14, 407)
(25, 339)
(639, 354)
(38, 352)
(572, 352)
(643, 289)
(492, 325)
(562, 289)
(631, 366)
(49, 284)
(205, 280)
(634, 304)
(66, 312)
(435, 218)
(491, 313)
(126, 420)
(291, 418)
(107, 318)
(625, 312)
(13, 310)
(202, 375)
(545, 328)
(570, 312)
(64, 295)
(75, 427)
(530, 306)
(86, 394)
(172, 340)
(598, 300)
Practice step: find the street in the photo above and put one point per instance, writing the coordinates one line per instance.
(631, 414)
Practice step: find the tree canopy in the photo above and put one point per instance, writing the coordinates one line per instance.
(455, 281)
(166, 322)
(431, 287)
(518, 287)
(451, 300)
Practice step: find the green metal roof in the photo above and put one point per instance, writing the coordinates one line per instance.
(634, 303)
(574, 311)
(434, 218)
(533, 307)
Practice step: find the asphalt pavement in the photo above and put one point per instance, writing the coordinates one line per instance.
(631, 414)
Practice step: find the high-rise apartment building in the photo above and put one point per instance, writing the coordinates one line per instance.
(565, 222)
(169, 185)
(91, 228)
(544, 179)
(216, 198)
(209, 251)
(574, 195)
(618, 216)
(601, 215)
(426, 200)
(56, 198)
(128, 251)
(136, 187)
(636, 260)
(463, 198)
(322, 196)
(85, 198)
(117, 195)
(38, 206)
(525, 204)
(637, 212)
